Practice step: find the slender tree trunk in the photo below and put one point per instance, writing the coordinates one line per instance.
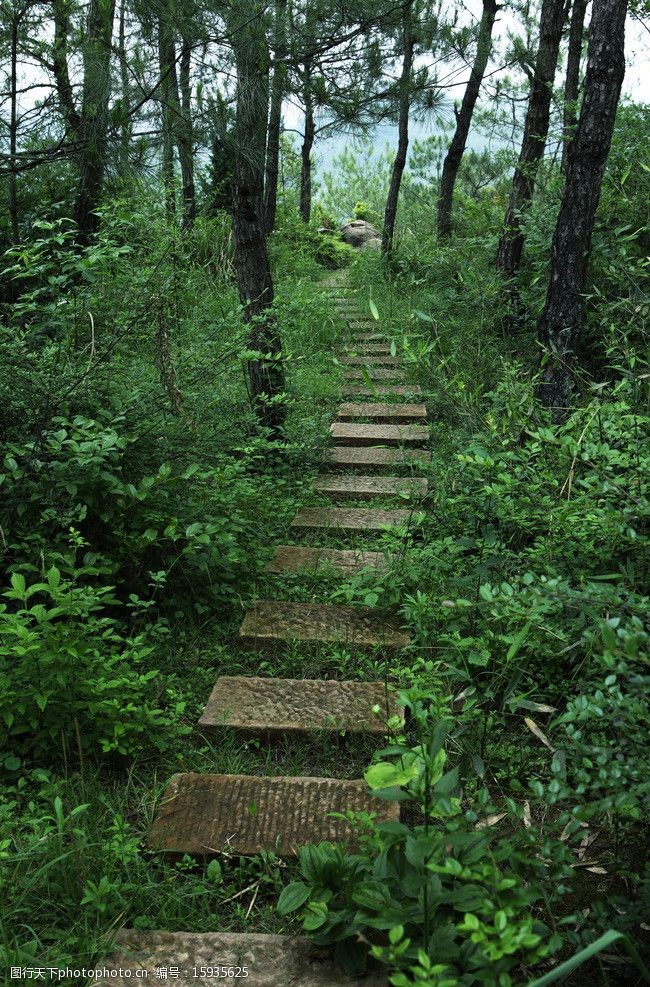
(93, 130)
(13, 129)
(307, 145)
(125, 96)
(168, 85)
(572, 79)
(399, 162)
(456, 150)
(560, 320)
(511, 242)
(265, 374)
(278, 89)
(184, 136)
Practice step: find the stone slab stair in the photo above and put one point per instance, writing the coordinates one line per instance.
(205, 815)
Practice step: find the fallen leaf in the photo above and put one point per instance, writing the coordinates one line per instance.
(532, 726)
(490, 820)
(527, 822)
(597, 870)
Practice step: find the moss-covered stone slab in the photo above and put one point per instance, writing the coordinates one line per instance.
(380, 412)
(265, 705)
(204, 814)
(297, 558)
(374, 360)
(359, 434)
(370, 457)
(367, 487)
(387, 390)
(268, 623)
(381, 373)
(349, 518)
(366, 349)
(198, 959)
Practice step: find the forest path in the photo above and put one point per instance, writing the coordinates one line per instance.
(209, 814)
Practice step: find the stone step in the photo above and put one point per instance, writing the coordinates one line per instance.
(279, 705)
(366, 487)
(269, 623)
(369, 457)
(380, 412)
(196, 959)
(205, 814)
(359, 434)
(371, 361)
(382, 373)
(294, 558)
(362, 390)
(366, 349)
(349, 518)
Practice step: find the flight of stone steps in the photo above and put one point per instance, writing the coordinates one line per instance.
(375, 453)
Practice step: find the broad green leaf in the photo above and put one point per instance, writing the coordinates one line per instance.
(385, 775)
(293, 897)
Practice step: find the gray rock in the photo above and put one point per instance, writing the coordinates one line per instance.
(359, 233)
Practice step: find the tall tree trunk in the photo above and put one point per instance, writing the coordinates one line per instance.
(278, 89)
(125, 95)
(13, 127)
(560, 320)
(399, 162)
(456, 150)
(93, 129)
(511, 242)
(265, 374)
(184, 136)
(168, 86)
(572, 79)
(307, 145)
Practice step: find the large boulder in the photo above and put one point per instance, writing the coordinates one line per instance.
(359, 233)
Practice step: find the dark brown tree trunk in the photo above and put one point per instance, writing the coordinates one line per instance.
(456, 150)
(511, 242)
(278, 89)
(125, 96)
(307, 145)
(93, 128)
(265, 373)
(168, 86)
(13, 128)
(572, 79)
(184, 136)
(399, 162)
(560, 320)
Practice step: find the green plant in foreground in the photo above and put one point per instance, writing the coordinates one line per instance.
(443, 897)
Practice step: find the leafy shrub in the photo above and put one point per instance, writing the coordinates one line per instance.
(444, 895)
(68, 675)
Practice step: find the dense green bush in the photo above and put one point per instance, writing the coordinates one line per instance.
(69, 678)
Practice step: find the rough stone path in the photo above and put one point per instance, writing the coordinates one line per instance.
(206, 815)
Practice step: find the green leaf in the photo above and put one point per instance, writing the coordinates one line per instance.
(372, 895)
(293, 897)
(18, 583)
(608, 939)
(53, 578)
(518, 641)
(385, 775)
(214, 872)
(352, 956)
(373, 309)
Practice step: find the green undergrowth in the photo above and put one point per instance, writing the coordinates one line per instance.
(142, 506)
